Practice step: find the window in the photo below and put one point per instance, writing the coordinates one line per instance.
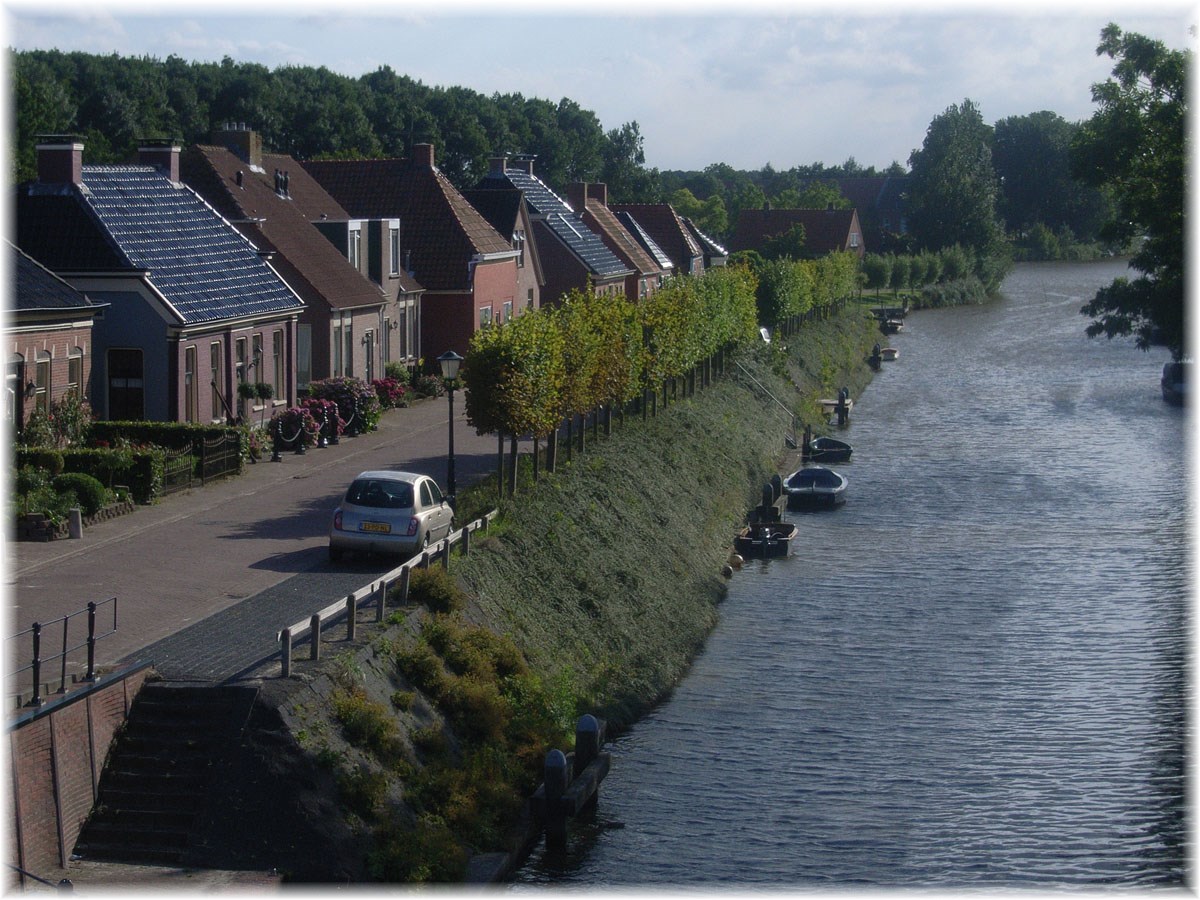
(355, 246)
(75, 373)
(214, 379)
(519, 245)
(529, 299)
(126, 395)
(387, 340)
(42, 380)
(14, 391)
(369, 356)
(348, 355)
(394, 245)
(257, 350)
(337, 349)
(402, 331)
(303, 354)
(854, 239)
(507, 314)
(190, 400)
(277, 381)
(485, 317)
(240, 360)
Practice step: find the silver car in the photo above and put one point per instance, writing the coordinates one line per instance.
(390, 512)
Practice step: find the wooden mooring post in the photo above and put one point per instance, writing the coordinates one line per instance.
(571, 782)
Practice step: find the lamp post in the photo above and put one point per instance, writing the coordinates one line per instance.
(450, 361)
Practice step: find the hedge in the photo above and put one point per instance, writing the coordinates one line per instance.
(140, 470)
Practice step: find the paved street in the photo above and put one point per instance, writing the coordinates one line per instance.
(226, 555)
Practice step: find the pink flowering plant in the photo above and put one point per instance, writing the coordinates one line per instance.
(358, 404)
(392, 392)
(292, 425)
(325, 411)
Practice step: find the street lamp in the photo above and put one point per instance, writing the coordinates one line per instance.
(450, 361)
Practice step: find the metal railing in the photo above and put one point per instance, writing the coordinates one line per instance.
(38, 631)
(375, 591)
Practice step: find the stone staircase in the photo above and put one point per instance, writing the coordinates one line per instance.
(155, 787)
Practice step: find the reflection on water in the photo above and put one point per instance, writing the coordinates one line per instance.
(972, 674)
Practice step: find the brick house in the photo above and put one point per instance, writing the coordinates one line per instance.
(468, 270)
(49, 335)
(648, 268)
(508, 213)
(572, 254)
(666, 229)
(825, 230)
(351, 324)
(187, 294)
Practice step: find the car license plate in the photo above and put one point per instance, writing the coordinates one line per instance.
(376, 527)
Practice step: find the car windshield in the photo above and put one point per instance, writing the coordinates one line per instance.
(380, 494)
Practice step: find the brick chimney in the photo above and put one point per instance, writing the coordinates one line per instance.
(497, 165)
(244, 143)
(577, 192)
(598, 192)
(422, 155)
(163, 154)
(60, 159)
(523, 164)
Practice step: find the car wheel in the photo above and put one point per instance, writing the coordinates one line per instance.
(425, 541)
(335, 553)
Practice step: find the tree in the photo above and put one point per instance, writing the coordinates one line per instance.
(953, 188)
(1135, 146)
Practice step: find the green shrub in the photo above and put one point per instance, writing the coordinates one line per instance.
(90, 493)
(423, 668)
(427, 853)
(363, 790)
(436, 589)
(44, 458)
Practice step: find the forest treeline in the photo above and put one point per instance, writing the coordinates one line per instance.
(113, 102)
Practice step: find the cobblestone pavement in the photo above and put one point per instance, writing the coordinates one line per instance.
(205, 579)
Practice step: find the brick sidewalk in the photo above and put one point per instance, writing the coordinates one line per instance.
(204, 551)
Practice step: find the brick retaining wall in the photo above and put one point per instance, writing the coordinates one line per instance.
(56, 754)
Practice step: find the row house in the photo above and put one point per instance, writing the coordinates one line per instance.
(49, 335)
(572, 255)
(191, 302)
(508, 213)
(825, 230)
(647, 268)
(668, 232)
(360, 308)
(714, 253)
(467, 269)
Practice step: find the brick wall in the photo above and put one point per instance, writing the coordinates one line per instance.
(56, 754)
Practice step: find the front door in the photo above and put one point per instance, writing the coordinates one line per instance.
(126, 392)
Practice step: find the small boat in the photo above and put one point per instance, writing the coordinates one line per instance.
(830, 406)
(891, 326)
(815, 487)
(765, 539)
(1174, 383)
(889, 353)
(827, 449)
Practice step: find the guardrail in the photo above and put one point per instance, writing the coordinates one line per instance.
(36, 660)
(374, 592)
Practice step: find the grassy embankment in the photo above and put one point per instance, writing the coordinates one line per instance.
(592, 593)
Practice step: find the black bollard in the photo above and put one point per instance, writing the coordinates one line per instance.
(587, 747)
(557, 778)
(276, 446)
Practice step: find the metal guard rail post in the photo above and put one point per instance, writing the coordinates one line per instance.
(377, 589)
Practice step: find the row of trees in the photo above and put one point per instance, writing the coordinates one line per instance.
(530, 374)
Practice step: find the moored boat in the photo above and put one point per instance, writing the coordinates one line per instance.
(815, 487)
(889, 353)
(765, 539)
(827, 449)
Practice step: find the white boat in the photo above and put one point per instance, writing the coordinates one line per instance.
(889, 353)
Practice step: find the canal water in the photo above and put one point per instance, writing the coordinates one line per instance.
(971, 675)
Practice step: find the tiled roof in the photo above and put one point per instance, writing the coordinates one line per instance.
(625, 244)
(825, 230)
(710, 247)
(561, 220)
(39, 288)
(306, 259)
(201, 265)
(642, 237)
(441, 229)
(663, 225)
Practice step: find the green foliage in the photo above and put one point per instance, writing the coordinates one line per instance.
(91, 494)
(1135, 146)
(435, 588)
(953, 188)
(66, 423)
(358, 403)
(430, 852)
(363, 789)
(141, 470)
(368, 725)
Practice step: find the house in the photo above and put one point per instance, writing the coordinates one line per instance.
(49, 334)
(882, 204)
(468, 270)
(508, 213)
(573, 256)
(825, 230)
(714, 253)
(649, 267)
(665, 228)
(352, 324)
(193, 306)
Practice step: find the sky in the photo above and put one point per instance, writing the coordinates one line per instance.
(744, 83)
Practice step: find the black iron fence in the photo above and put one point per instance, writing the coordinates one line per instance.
(41, 633)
